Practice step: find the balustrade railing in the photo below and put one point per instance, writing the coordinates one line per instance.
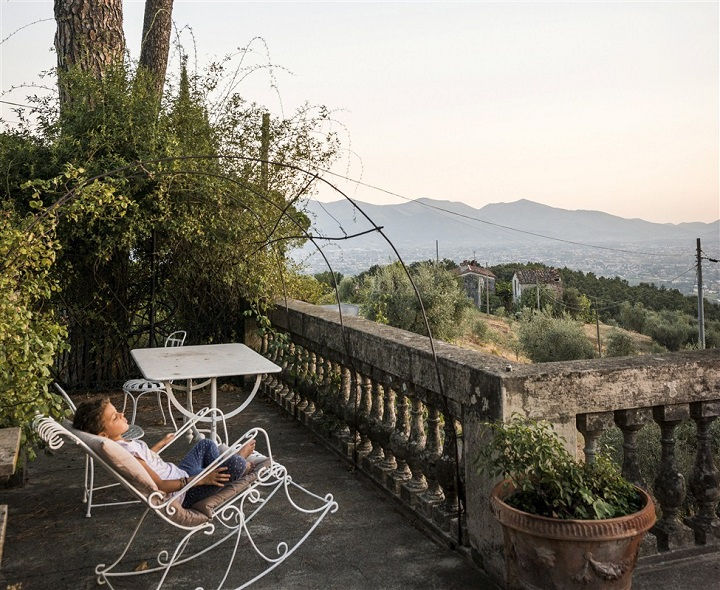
(373, 392)
(399, 434)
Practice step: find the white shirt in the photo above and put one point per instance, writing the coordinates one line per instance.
(138, 448)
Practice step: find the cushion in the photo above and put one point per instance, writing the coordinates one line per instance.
(187, 517)
(119, 459)
(207, 506)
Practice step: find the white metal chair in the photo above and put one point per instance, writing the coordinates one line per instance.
(224, 516)
(89, 487)
(136, 388)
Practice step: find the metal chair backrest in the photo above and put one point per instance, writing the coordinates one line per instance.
(176, 338)
(65, 396)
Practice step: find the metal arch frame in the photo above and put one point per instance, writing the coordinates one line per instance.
(232, 517)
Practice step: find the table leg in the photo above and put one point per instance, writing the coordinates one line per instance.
(213, 405)
(193, 433)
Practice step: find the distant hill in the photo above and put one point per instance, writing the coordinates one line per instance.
(415, 223)
(633, 249)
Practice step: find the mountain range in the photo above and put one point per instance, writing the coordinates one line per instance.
(456, 224)
(521, 231)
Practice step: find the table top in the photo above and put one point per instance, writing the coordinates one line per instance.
(200, 362)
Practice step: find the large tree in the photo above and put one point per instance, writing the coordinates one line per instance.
(155, 44)
(89, 37)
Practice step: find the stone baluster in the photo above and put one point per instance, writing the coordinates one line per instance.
(318, 385)
(268, 380)
(283, 357)
(344, 402)
(671, 533)
(289, 357)
(591, 426)
(294, 368)
(630, 422)
(375, 427)
(389, 463)
(400, 442)
(363, 418)
(705, 479)
(307, 373)
(416, 446)
(447, 514)
(432, 452)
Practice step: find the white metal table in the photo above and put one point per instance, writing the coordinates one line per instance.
(206, 361)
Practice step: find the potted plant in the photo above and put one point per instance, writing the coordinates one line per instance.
(566, 524)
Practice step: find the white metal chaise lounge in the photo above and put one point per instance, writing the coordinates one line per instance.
(223, 516)
(89, 484)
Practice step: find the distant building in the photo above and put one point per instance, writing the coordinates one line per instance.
(548, 278)
(475, 278)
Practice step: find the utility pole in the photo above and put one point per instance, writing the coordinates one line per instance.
(487, 294)
(701, 310)
(537, 292)
(265, 152)
(597, 327)
(437, 252)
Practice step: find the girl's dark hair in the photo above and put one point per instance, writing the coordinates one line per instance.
(88, 416)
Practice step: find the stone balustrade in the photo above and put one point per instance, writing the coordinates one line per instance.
(413, 424)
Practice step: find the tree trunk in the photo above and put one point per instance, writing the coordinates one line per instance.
(157, 27)
(89, 37)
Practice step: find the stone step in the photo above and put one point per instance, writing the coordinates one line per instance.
(9, 451)
(3, 526)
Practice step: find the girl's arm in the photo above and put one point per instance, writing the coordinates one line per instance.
(217, 477)
(162, 443)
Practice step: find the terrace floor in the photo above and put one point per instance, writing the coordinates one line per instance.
(369, 543)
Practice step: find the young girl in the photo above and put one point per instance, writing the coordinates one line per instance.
(100, 417)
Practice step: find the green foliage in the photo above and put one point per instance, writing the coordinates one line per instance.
(633, 316)
(503, 291)
(609, 291)
(548, 481)
(327, 278)
(208, 232)
(672, 329)
(544, 338)
(649, 452)
(528, 298)
(712, 334)
(307, 288)
(387, 297)
(479, 329)
(619, 344)
(31, 334)
(576, 305)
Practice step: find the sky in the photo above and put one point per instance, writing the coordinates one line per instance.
(610, 106)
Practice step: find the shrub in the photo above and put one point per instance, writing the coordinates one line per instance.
(544, 338)
(633, 316)
(548, 481)
(672, 329)
(388, 297)
(620, 344)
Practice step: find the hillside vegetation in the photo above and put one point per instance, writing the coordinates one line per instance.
(631, 320)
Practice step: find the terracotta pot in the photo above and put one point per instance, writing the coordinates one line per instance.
(553, 554)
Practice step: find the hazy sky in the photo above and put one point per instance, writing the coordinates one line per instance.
(581, 105)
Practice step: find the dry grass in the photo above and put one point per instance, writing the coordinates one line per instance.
(500, 338)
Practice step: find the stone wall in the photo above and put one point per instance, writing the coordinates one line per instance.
(387, 369)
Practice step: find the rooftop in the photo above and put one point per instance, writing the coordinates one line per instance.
(370, 543)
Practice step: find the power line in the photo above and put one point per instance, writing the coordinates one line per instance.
(17, 104)
(507, 227)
